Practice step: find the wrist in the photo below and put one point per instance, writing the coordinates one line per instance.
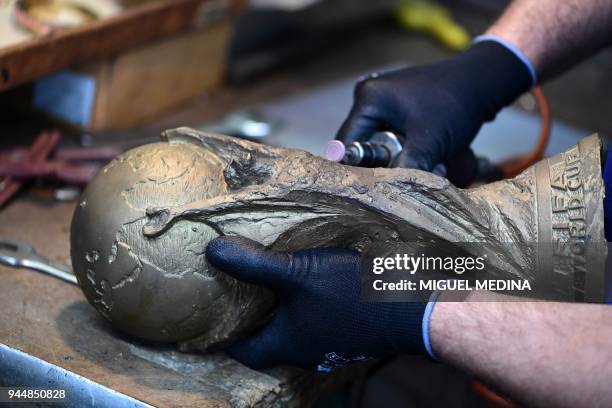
(438, 326)
(513, 49)
(425, 326)
(495, 76)
(450, 306)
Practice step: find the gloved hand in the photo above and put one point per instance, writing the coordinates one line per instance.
(438, 108)
(320, 322)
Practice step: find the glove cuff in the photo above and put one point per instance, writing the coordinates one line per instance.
(492, 75)
(425, 326)
(518, 53)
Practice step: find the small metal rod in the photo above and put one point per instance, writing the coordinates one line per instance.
(21, 254)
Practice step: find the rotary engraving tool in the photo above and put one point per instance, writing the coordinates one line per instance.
(380, 150)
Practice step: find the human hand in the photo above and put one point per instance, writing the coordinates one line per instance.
(438, 108)
(320, 322)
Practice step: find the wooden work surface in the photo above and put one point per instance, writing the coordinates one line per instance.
(51, 320)
(33, 58)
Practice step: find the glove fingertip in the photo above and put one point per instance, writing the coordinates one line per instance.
(249, 261)
(222, 251)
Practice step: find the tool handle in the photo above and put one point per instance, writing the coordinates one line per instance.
(49, 270)
(367, 155)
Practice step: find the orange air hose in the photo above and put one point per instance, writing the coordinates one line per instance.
(516, 165)
(491, 396)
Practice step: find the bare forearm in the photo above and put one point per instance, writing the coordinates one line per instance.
(553, 34)
(537, 353)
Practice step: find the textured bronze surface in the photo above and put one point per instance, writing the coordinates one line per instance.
(139, 234)
(162, 288)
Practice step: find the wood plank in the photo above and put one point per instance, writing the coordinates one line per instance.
(27, 61)
(144, 82)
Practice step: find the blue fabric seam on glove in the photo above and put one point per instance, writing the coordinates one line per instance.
(425, 327)
(514, 50)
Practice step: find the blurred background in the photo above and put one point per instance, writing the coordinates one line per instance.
(114, 73)
(82, 81)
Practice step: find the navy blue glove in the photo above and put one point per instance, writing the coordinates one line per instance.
(438, 108)
(320, 322)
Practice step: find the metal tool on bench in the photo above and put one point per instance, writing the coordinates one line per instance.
(21, 254)
(45, 160)
(247, 124)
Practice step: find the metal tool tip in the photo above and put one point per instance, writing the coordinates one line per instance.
(335, 150)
